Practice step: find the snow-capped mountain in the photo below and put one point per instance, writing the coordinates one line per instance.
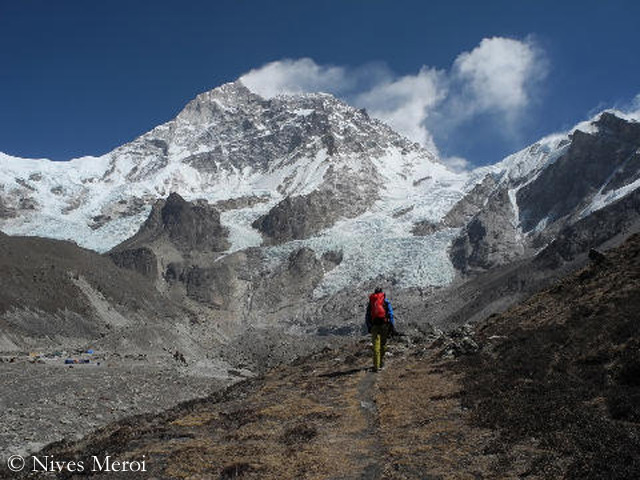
(311, 171)
(246, 155)
(533, 194)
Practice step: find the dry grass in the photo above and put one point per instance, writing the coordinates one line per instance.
(196, 419)
(423, 428)
(294, 426)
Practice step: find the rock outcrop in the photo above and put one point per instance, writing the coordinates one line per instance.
(595, 162)
(490, 239)
(141, 260)
(186, 225)
(342, 195)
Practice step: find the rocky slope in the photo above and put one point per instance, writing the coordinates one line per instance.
(54, 292)
(529, 197)
(563, 373)
(546, 390)
(84, 342)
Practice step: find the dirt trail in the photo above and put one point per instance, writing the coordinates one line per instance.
(423, 426)
(369, 409)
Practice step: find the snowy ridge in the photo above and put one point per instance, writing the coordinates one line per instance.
(601, 199)
(230, 143)
(529, 161)
(522, 168)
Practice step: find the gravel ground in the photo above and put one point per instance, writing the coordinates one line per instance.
(43, 400)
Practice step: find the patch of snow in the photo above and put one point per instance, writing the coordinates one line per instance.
(241, 234)
(601, 200)
(516, 212)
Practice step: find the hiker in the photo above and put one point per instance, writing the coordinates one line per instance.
(380, 324)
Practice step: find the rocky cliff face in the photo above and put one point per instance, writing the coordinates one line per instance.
(567, 179)
(304, 216)
(491, 237)
(187, 226)
(175, 228)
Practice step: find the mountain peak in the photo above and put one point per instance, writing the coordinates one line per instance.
(207, 106)
(227, 143)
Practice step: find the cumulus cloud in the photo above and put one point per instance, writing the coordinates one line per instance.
(498, 74)
(290, 77)
(405, 103)
(456, 164)
(498, 77)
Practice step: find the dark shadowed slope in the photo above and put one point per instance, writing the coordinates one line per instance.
(560, 374)
(54, 289)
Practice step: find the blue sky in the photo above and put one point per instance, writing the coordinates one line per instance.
(80, 78)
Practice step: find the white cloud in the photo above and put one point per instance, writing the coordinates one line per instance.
(405, 103)
(497, 77)
(290, 77)
(456, 164)
(499, 73)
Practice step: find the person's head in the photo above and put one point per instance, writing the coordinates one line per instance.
(378, 290)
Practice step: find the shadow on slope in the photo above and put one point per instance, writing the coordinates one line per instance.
(51, 288)
(562, 372)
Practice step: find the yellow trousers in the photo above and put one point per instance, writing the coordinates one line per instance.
(379, 335)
